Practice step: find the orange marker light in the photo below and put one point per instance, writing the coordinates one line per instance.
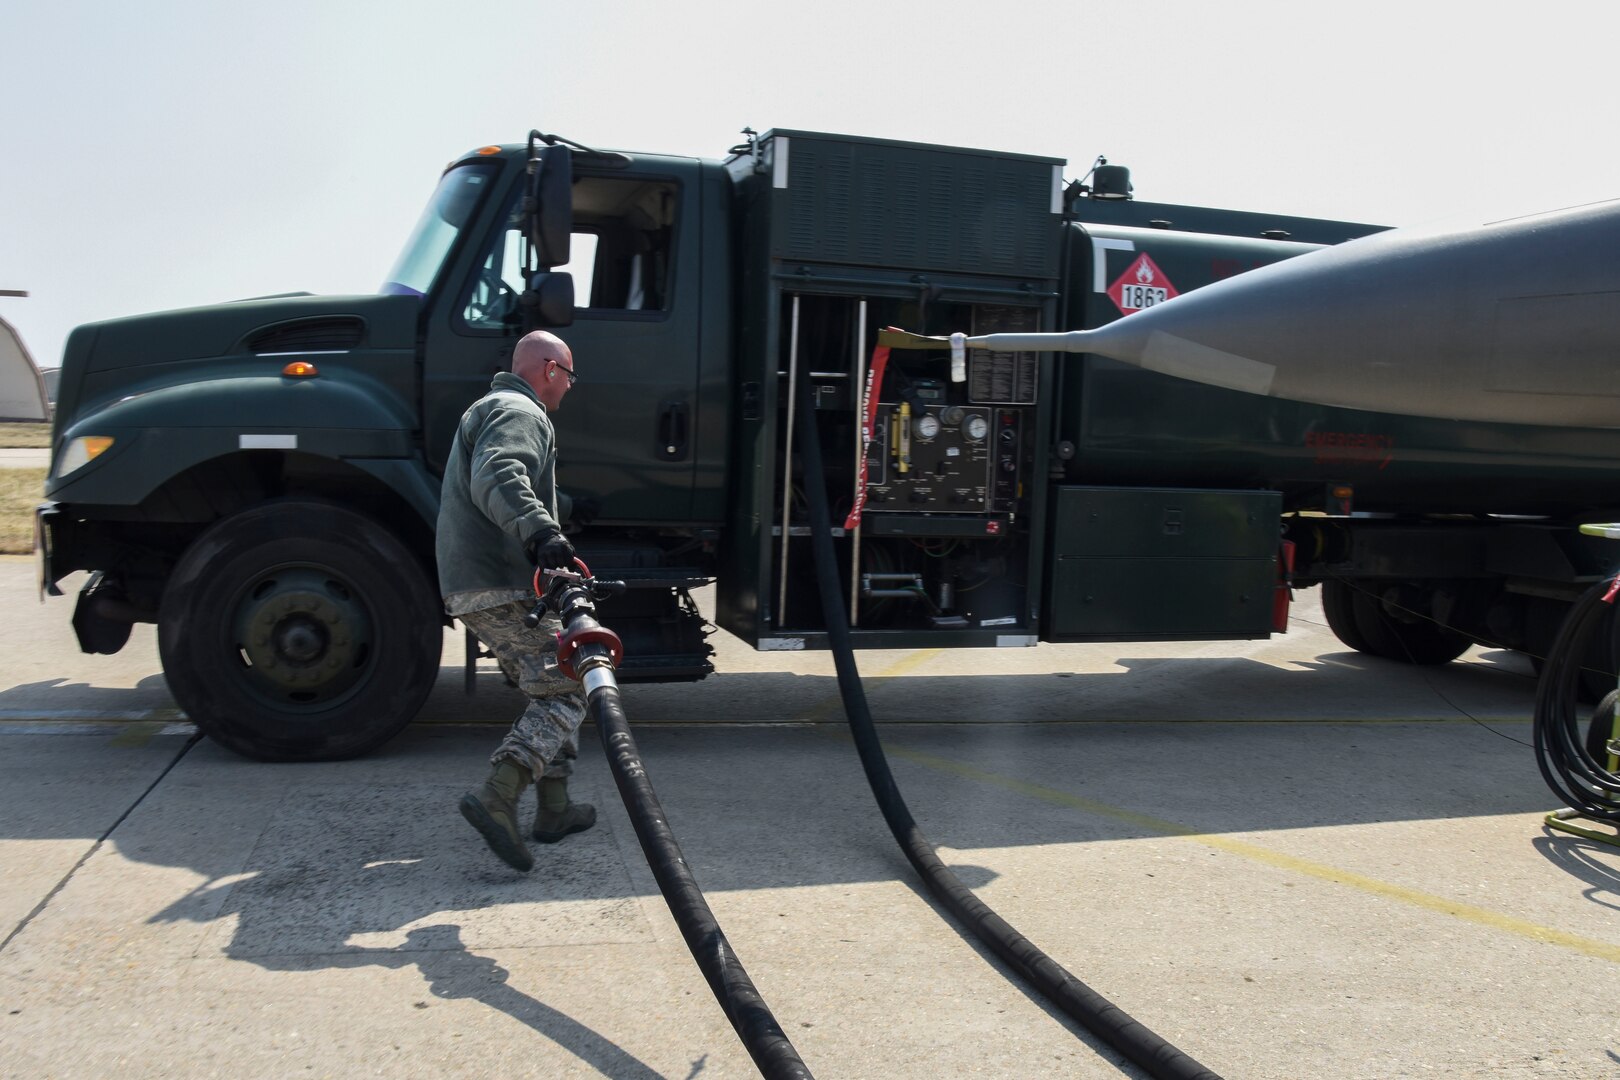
(300, 369)
(487, 150)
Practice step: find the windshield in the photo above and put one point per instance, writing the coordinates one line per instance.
(452, 206)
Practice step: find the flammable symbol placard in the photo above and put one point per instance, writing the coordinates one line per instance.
(1142, 285)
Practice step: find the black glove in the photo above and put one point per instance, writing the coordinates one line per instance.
(584, 511)
(550, 551)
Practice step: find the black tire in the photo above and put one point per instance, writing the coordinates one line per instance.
(1394, 638)
(299, 631)
(1338, 607)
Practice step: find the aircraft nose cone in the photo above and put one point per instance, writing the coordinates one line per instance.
(1509, 322)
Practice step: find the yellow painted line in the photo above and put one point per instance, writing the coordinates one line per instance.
(1601, 950)
(909, 662)
(1479, 916)
(138, 734)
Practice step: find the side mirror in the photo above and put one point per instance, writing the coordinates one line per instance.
(549, 300)
(548, 205)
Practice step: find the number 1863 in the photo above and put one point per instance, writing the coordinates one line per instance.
(1132, 297)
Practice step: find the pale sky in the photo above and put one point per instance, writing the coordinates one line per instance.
(181, 152)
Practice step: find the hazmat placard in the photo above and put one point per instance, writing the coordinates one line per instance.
(1142, 285)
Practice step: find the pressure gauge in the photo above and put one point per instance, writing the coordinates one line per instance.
(927, 426)
(976, 427)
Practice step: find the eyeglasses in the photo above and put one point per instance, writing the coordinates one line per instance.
(568, 371)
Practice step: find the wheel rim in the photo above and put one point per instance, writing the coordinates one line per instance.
(304, 637)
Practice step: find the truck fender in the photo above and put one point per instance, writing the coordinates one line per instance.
(161, 433)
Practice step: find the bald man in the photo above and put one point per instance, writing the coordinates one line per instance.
(499, 519)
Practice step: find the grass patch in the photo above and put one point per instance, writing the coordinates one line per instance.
(20, 491)
(19, 435)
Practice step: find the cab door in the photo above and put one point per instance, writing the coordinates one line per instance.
(625, 430)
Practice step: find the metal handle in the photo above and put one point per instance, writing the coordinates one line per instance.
(673, 431)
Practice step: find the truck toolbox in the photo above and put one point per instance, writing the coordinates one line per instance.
(1137, 564)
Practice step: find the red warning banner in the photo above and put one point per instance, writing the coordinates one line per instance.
(873, 387)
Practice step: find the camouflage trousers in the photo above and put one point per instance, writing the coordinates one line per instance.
(545, 739)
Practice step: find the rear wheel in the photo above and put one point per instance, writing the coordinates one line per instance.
(1383, 621)
(299, 631)
(1338, 606)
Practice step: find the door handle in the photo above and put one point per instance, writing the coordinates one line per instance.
(673, 431)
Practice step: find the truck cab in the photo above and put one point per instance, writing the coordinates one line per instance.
(644, 432)
(261, 478)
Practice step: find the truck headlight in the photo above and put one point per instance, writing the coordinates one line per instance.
(80, 452)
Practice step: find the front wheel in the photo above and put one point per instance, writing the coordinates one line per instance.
(299, 631)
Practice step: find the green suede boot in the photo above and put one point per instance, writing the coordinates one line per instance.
(493, 811)
(558, 817)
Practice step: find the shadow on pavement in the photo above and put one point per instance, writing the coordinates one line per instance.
(344, 874)
(1585, 860)
(53, 697)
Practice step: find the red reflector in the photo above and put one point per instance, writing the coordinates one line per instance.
(1281, 595)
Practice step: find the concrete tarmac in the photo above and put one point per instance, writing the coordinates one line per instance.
(1290, 860)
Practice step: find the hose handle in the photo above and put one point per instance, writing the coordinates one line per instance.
(536, 613)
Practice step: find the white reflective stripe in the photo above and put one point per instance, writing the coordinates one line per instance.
(1187, 359)
(779, 161)
(781, 644)
(267, 442)
(1100, 247)
(1057, 189)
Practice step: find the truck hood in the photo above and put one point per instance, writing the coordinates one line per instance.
(102, 358)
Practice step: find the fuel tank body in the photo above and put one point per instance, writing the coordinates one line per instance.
(1465, 370)
(1514, 321)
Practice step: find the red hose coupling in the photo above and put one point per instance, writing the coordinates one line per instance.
(570, 642)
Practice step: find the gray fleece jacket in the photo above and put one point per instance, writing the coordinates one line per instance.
(500, 489)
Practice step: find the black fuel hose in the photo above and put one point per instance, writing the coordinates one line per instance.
(742, 1003)
(1099, 1015)
(1562, 751)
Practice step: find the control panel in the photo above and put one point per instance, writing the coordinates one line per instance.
(930, 457)
(934, 458)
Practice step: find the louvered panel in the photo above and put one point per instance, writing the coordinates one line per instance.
(867, 202)
(327, 334)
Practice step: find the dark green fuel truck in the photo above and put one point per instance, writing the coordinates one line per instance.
(260, 479)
